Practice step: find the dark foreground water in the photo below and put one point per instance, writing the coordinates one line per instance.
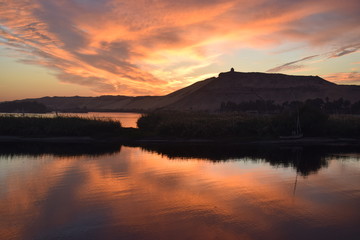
(59, 191)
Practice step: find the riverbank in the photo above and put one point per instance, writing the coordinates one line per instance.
(139, 141)
(91, 130)
(200, 125)
(58, 126)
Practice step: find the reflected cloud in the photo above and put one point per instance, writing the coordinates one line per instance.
(140, 195)
(36, 149)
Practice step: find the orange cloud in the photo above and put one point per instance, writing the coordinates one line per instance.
(130, 47)
(344, 77)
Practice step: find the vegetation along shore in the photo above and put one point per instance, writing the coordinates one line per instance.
(178, 126)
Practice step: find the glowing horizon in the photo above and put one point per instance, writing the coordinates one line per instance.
(142, 47)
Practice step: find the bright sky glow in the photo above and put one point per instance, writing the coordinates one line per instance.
(153, 47)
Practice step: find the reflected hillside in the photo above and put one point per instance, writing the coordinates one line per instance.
(306, 160)
(58, 149)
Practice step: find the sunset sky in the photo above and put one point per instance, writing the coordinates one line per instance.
(153, 47)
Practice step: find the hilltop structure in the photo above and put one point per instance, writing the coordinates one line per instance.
(207, 95)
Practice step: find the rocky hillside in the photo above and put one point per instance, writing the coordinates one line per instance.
(210, 93)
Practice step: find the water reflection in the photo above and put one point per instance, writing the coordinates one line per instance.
(137, 194)
(305, 160)
(58, 149)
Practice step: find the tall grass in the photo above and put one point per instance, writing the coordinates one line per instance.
(205, 125)
(343, 125)
(57, 126)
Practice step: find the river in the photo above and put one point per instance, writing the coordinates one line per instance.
(109, 191)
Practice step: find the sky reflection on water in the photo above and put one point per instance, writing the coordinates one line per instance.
(132, 193)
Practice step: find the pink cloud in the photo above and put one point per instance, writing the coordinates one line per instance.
(344, 77)
(127, 47)
(346, 50)
(292, 65)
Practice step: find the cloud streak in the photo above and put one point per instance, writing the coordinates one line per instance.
(291, 65)
(345, 50)
(128, 47)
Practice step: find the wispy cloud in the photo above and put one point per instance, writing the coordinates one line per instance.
(294, 65)
(291, 65)
(345, 50)
(128, 47)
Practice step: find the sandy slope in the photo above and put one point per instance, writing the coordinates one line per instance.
(210, 93)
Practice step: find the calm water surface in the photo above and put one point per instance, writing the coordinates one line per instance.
(178, 192)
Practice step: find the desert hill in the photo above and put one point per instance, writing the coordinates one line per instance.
(210, 93)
